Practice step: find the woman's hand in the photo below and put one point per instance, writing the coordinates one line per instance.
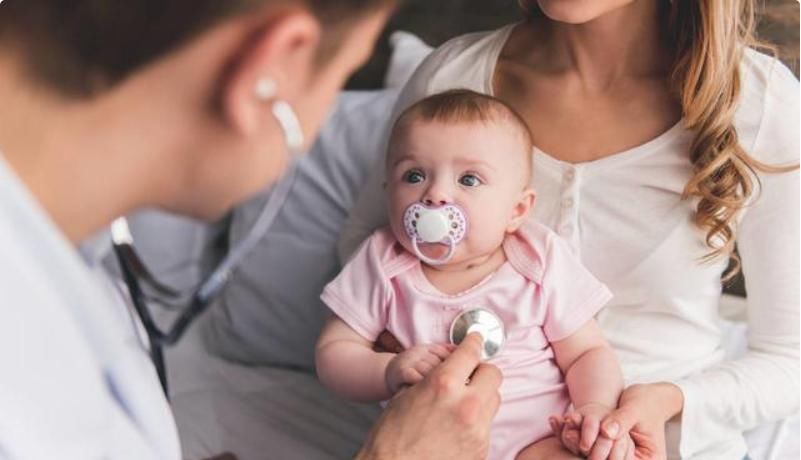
(642, 412)
(580, 432)
(446, 416)
(641, 415)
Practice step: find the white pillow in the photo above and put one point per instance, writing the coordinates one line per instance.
(408, 51)
(271, 312)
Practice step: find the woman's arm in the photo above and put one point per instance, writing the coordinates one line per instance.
(762, 385)
(347, 364)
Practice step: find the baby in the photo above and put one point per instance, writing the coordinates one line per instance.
(458, 172)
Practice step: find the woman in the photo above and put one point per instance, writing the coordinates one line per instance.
(182, 105)
(658, 134)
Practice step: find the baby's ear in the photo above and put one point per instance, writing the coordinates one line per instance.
(521, 210)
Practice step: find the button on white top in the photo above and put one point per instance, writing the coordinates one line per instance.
(568, 203)
(569, 175)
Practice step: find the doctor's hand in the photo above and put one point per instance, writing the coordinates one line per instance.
(445, 416)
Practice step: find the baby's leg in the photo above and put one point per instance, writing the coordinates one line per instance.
(546, 449)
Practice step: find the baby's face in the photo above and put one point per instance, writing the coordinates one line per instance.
(481, 167)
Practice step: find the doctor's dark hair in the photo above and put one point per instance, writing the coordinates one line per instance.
(74, 45)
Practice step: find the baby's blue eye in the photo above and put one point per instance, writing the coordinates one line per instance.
(470, 180)
(413, 177)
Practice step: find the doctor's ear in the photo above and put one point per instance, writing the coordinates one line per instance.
(275, 61)
(521, 210)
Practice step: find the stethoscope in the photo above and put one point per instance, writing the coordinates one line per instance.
(136, 275)
(484, 322)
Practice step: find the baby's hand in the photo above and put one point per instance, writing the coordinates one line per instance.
(411, 365)
(580, 431)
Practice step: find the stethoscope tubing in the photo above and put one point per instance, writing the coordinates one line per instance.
(208, 291)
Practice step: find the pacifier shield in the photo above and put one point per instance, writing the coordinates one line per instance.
(432, 227)
(435, 224)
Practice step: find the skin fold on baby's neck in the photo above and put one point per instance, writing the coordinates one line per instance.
(455, 278)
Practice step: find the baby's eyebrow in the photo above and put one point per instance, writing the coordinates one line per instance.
(402, 159)
(474, 162)
(463, 162)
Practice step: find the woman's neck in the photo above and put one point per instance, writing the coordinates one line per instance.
(623, 43)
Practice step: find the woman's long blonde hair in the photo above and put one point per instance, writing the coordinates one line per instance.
(709, 38)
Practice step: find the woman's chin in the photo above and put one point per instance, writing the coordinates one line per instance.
(577, 11)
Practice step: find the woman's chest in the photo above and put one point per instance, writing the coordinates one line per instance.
(576, 123)
(626, 218)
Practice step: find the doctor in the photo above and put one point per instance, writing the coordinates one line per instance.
(161, 103)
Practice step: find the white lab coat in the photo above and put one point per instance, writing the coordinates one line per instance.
(75, 380)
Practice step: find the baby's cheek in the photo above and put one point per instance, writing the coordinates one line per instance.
(398, 230)
(485, 235)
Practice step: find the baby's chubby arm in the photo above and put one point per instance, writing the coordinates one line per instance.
(590, 366)
(347, 364)
(594, 380)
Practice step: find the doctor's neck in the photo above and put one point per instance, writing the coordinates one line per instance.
(69, 153)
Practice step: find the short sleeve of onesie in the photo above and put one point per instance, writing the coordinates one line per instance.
(572, 294)
(360, 294)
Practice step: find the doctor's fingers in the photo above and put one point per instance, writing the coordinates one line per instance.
(462, 362)
(486, 379)
(484, 387)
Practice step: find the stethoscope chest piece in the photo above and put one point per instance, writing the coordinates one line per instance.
(486, 323)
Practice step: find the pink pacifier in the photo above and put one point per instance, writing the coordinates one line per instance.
(445, 225)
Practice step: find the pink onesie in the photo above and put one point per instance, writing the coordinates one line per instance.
(542, 294)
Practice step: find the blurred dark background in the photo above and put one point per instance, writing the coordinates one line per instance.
(435, 21)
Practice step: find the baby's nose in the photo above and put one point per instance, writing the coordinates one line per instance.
(431, 202)
(436, 196)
